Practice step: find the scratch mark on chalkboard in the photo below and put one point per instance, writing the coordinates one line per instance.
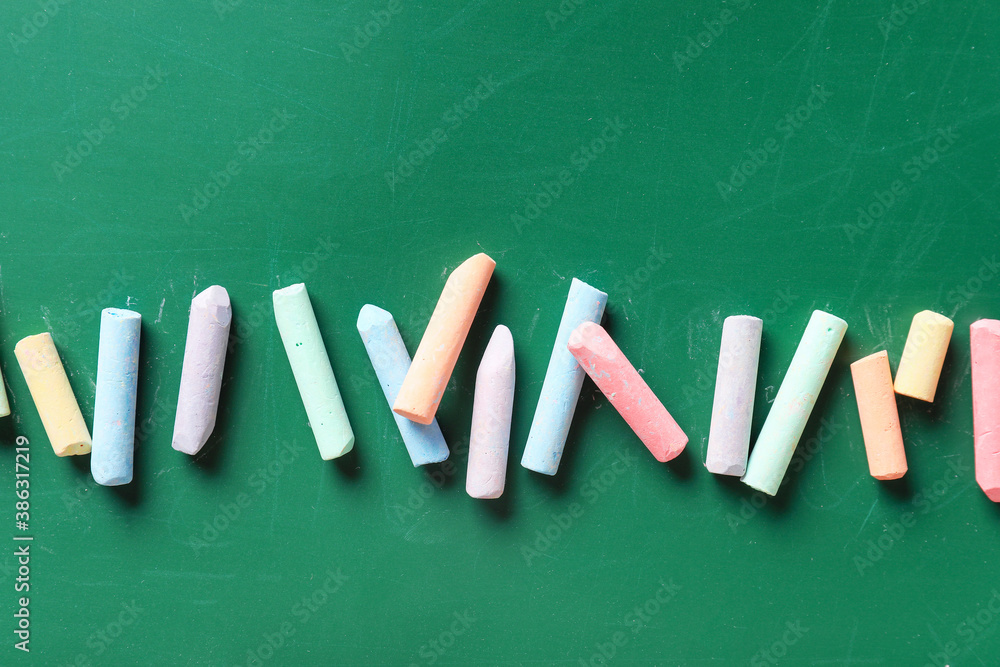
(865, 522)
(951, 67)
(3, 297)
(173, 47)
(534, 321)
(868, 112)
(850, 644)
(160, 315)
(320, 53)
(457, 20)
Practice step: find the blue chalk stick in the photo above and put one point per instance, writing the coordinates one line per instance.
(391, 361)
(114, 401)
(563, 380)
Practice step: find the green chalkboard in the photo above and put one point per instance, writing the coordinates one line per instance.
(694, 161)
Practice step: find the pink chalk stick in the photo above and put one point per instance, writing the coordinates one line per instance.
(598, 355)
(985, 342)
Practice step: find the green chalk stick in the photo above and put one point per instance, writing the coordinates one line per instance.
(313, 374)
(794, 402)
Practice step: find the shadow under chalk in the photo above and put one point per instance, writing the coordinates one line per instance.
(681, 467)
(210, 458)
(8, 433)
(898, 489)
(590, 401)
(349, 465)
(500, 509)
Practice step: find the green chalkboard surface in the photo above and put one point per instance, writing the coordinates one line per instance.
(694, 161)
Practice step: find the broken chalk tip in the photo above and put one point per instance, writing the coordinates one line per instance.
(424, 442)
(625, 389)
(114, 400)
(52, 394)
(434, 361)
(307, 355)
(923, 356)
(201, 373)
(735, 389)
(489, 441)
(879, 416)
(563, 381)
(794, 402)
(985, 346)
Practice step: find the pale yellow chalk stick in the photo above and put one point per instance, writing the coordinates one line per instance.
(923, 356)
(54, 399)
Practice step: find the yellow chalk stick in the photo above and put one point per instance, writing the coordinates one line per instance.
(923, 356)
(54, 399)
(879, 416)
(425, 382)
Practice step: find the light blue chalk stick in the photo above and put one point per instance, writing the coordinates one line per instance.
(563, 381)
(389, 357)
(794, 402)
(114, 401)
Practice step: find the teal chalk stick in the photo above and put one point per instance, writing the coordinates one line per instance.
(794, 403)
(313, 373)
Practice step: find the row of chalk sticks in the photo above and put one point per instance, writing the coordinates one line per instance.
(415, 389)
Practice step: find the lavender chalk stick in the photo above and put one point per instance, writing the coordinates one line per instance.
(114, 401)
(735, 386)
(491, 412)
(563, 381)
(201, 375)
(389, 357)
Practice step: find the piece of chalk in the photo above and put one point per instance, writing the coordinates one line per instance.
(491, 412)
(114, 399)
(562, 384)
(425, 382)
(923, 355)
(201, 373)
(4, 403)
(54, 399)
(625, 389)
(794, 402)
(313, 373)
(985, 343)
(389, 358)
(879, 416)
(735, 389)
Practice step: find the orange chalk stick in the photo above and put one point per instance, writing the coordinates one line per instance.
(879, 416)
(425, 382)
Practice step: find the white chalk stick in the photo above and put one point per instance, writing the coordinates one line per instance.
(491, 412)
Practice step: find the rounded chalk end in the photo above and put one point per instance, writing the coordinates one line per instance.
(112, 480)
(371, 317)
(120, 314)
(413, 415)
(290, 291)
(216, 295)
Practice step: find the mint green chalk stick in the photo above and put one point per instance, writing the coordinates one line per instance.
(313, 374)
(794, 402)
